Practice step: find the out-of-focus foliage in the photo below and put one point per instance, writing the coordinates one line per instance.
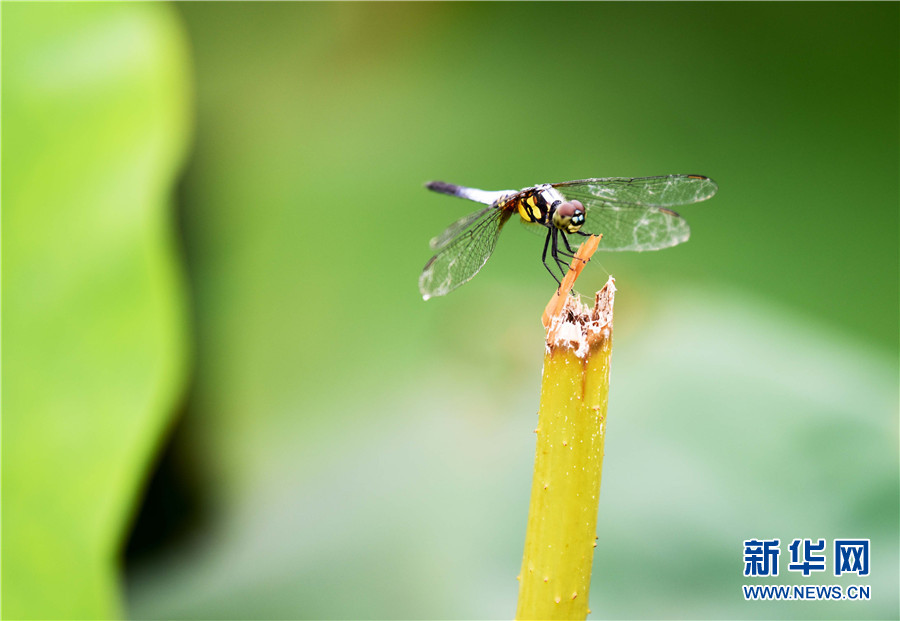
(359, 453)
(95, 126)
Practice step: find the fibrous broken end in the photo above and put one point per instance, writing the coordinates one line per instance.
(582, 328)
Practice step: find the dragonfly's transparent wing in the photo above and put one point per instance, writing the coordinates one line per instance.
(665, 191)
(633, 214)
(460, 257)
(626, 226)
(456, 228)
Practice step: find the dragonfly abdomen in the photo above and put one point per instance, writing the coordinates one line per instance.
(472, 194)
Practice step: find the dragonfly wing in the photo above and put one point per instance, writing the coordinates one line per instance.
(461, 257)
(632, 227)
(665, 191)
(456, 228)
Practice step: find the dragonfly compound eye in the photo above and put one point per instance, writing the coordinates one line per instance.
(569, 216)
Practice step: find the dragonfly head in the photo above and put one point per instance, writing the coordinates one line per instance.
(569, 216)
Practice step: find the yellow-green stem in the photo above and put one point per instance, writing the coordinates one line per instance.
(562, 517)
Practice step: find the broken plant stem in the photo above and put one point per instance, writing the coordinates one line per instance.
(562, 517)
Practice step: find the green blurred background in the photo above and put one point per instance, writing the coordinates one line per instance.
(224, 398)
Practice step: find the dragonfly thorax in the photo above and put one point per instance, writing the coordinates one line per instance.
(545, 205)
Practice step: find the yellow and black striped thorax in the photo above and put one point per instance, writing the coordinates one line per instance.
(534, 204)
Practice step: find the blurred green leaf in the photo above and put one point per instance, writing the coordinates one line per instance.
(94, 113)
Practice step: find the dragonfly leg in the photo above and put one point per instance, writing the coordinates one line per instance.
(568, 254)
(568, 247)
(544, 256)
(555, 253)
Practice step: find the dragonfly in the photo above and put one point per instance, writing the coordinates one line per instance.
(630, 213)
